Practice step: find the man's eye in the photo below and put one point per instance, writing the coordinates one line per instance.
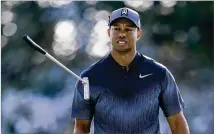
(117, 29)
(128, 29)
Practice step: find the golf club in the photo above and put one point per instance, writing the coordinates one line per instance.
(84, 80)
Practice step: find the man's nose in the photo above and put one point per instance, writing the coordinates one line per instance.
(122, 35)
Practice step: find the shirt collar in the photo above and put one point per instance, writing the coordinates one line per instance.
(132, 64)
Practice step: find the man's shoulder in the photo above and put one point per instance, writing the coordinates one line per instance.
(153, 64)
(95, 68)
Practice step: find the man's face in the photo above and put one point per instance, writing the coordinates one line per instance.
(124, 35)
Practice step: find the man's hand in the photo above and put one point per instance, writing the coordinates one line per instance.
(82, 126)
(178, 124)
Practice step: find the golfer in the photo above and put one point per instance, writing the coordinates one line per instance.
(127, 88)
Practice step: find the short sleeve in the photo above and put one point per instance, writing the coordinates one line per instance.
(171, 101)
(81, 109)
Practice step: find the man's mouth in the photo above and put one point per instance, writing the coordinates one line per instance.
(122, 42)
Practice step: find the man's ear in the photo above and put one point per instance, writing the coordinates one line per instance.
(108, 31)
(139, 33)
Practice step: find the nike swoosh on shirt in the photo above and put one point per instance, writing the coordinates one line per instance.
(143, 76)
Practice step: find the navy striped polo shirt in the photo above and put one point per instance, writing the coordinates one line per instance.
(127, 102)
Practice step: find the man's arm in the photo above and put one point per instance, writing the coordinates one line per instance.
(82, 126)
(178, 124)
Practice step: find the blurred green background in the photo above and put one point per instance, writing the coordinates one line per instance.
(37, 94)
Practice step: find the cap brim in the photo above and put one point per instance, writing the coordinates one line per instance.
(121, 17)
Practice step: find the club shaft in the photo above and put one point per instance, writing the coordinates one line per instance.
(42, 51)
(64, 67)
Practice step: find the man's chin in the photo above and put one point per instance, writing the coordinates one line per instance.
(124, 51)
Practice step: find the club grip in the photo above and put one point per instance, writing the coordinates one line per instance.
(33, 44)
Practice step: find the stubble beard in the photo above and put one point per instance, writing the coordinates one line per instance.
(123, 52)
